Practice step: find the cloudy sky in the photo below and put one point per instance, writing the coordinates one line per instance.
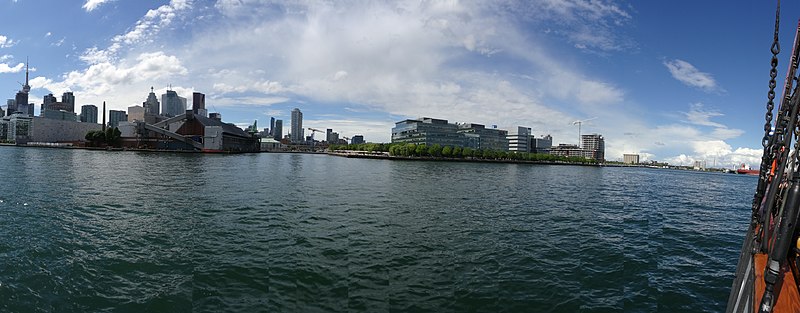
(674, 81)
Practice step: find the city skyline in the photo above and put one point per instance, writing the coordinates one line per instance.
(667, 81)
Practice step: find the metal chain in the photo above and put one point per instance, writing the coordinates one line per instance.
(769, 150)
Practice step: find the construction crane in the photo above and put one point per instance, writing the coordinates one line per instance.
(313, 131)
(580, 123)
(346, 139)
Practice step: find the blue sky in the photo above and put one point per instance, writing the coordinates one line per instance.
(675, 81)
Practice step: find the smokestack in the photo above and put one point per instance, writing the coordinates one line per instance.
(104, 116)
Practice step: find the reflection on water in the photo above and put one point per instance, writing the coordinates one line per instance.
(122, 231)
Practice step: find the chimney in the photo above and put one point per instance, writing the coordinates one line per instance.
(104, 116)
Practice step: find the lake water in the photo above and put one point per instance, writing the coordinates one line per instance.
(87, 231)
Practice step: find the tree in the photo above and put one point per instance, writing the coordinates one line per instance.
(435, 150)
(421, 150)
(457, 152)
(467, 152)
(447, 152)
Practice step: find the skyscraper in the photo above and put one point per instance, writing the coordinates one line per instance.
(68, 98)
(271, 125)
(89, 113)
(297, 127)
(277, 133)
(48, 100)
(115, 116)
(11, 106)
(173, 105)
(199, 104)
(152, 105)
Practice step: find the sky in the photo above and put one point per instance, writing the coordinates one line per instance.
(674, 81)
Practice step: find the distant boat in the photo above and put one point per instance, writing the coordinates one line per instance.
(745, 170)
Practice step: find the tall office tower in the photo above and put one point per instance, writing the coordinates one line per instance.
(297, 127)
(594, 145)
(328, 133)
(151, 106)
(47, 101)
(277, 133)
(173, 105)
(89, 113)
(199, 104)
(11, 106)
(271, 125)
(69, 101)
(115, 116)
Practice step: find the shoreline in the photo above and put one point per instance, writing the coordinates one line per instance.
(366, 155)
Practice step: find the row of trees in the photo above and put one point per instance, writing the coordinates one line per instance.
(438, 151)
(111, 137)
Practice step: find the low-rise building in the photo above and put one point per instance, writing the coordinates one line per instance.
(541, 145)
(479, 137)
(428, 131)
(630, 158)
(518, 139)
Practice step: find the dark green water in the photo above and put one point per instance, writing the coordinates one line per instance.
(85, 231)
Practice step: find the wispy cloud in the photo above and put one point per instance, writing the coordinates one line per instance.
(686, 73)
(6, 42)
(91, 5)
(697, 115)
(592, 26)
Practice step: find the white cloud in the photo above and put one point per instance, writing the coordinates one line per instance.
(48, 34)
(6, 57)
(91, 5)
(152, 22)
(5, 68)
(689, 75)
(6, 42)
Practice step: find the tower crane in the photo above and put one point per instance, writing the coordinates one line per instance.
(580, 123)
(346, 139)
(313, 131)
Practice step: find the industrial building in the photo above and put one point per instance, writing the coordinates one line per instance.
(21, 129)
(188, 131)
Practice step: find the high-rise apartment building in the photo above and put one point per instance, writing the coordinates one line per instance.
(297, 127)
(89, 113)
(594, 145)
(357, 139)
